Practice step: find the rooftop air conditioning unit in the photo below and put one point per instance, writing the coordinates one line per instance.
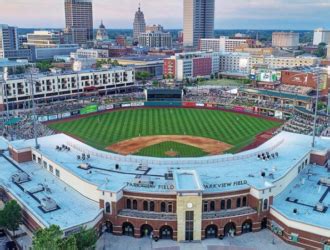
(319, 207)
(141, 179)
(20, 177)
(84, 166)
(325, 181)
(48, 204)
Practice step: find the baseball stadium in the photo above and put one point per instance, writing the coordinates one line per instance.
(171, 169)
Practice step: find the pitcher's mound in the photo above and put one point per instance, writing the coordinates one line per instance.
(134, 145)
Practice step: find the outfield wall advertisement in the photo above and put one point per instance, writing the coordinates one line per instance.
(89, 109)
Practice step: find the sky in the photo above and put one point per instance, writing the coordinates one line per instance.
(233, 14)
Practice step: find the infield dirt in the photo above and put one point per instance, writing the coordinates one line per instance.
(134, 145)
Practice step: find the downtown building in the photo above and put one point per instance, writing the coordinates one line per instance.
(78, 21)
(43, 39)
(139, 25)
(288, 40)
(9, 45)
(192, 65)
(198, 21)
(59, 86)
(156, 39)
(225, 44)
(321, 36)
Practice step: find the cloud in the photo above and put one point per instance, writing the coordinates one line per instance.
(271, 14)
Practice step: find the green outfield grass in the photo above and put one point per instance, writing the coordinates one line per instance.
(106, 129)
(181, 150)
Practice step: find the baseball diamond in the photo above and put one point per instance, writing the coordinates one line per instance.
(107, 131)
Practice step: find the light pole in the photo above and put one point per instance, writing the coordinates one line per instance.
(32, 80)
(317, 72)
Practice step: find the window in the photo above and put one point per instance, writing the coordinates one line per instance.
(39, 160)
(244, 202)
(205, 206)
(128, 204)
(34, 157)
(45, 164)
(163, 207)
(57, 173)
(222, 204)
(212, 206)
(51, 168)
(134, 204)
(152, 206)
(107, 208)
(229, 204)
(238, 202)
(189, 225)
(145, 206)
(265, 206)
(170, 208)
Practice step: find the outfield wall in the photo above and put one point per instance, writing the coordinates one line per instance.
(94, 109)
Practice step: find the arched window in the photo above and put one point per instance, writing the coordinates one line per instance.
(265, 204)
(134, 204)
(238, 202)
(163, 207)
(228, 204)
(222, 204)
(145, 206)
(107, 207)
(152, 206)
(128, 204)
(212, 206)
(244, 201)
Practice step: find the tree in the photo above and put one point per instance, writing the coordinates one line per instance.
(11, 216)
(47, 238)
(142, 75)
(69, 243)
(86, 239)
(321, 50)
(44, 65)
(52, 238)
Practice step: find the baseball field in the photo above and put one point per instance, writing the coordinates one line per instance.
(167, 132)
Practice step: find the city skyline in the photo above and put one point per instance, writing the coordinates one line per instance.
(269, 14)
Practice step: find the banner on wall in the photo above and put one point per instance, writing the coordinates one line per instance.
(278, 114)
(66, 115)
(126, 105)
(42, 118)
(137, 104)
(89, 109)
(75, 112)
(52, 117)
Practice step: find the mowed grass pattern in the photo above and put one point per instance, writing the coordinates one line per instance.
(182, 150)
(106, 129)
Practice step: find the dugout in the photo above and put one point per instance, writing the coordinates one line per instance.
(174, 95)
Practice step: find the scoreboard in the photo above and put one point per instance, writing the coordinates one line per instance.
(164, 94)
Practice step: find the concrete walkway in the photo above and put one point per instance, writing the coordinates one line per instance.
(251, 241)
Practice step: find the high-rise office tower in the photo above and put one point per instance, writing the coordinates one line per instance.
(79, 21)
(198, 21)
(139, 25)
(8, 39)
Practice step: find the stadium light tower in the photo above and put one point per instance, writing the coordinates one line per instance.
(32, 80)
(4, 78)
(317, 73)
